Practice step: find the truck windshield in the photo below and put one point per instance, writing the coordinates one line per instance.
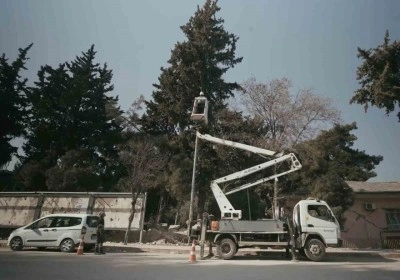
(320, 212)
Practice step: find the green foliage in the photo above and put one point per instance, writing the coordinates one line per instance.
(197, 64)
(31, 176)
(6, 180)
(72, 117)
(13, 107)
(329, 160)
(379, 77)
(74, 171)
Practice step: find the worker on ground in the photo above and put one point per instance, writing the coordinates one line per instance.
(98, 249)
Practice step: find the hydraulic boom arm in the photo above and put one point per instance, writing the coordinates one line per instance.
(227, 210)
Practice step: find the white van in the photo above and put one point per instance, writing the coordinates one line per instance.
(56, 230)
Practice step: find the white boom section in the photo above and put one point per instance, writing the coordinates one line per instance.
(227, 210)
(245, 147)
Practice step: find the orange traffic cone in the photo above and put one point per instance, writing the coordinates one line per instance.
(192, 256)
(80, 248)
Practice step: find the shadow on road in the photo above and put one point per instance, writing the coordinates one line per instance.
(354, 257)
(89, 251)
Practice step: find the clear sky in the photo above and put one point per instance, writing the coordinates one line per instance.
(312, 42)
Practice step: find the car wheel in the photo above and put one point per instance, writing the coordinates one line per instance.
(16, 244)
(227, 249)
(314, 249)
(67, 245)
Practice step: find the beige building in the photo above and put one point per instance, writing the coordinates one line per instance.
(374, 219)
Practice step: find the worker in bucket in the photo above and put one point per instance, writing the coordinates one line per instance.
(98, 249)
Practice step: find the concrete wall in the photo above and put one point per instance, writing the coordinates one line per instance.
(117, 211)
(19, 209)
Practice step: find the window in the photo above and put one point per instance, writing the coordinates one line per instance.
(60, 222)
(67, 222)
(319, 211)
(92, 221)
(74, 221)
(43, 223)
(393, 218)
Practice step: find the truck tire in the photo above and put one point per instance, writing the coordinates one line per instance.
(227, 248)
(314, 249)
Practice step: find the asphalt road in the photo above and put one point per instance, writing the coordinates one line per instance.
(51, 265)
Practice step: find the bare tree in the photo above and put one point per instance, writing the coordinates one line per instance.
(143, 163)
(289, 118)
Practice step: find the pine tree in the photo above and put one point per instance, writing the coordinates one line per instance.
(329, 160)
(74, 125)
(13, 107)
(379, 77)
(197, 64)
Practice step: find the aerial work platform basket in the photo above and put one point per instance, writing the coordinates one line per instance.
(200, 109)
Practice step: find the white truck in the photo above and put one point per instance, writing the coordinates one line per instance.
(313, 226)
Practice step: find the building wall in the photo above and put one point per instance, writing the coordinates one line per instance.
(368, 228)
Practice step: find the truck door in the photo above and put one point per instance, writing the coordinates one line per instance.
(319, 219)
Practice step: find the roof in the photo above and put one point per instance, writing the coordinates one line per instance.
(374, 187)
(69, 215)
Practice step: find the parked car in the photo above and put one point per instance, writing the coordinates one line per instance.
(64, 231)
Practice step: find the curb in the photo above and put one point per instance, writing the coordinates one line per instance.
(183, 249)
(156, 249)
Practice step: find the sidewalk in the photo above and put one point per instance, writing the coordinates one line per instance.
(112, 247)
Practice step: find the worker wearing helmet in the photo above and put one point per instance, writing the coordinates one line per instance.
(98, 249)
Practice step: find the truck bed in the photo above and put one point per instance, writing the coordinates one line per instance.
(259, 226)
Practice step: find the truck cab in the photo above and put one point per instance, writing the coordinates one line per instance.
(315, 228)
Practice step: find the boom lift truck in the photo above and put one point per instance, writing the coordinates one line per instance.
(313, 226)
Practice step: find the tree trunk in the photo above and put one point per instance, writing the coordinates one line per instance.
(130, 219)
(177, 214)
(131, 216)
(160, 208)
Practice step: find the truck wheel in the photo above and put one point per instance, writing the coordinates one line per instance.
(227, 248)
(314, 250)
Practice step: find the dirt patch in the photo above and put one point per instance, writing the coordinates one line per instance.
(153, 236)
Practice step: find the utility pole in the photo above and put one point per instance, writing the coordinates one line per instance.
(192, 190)
(199, 114)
